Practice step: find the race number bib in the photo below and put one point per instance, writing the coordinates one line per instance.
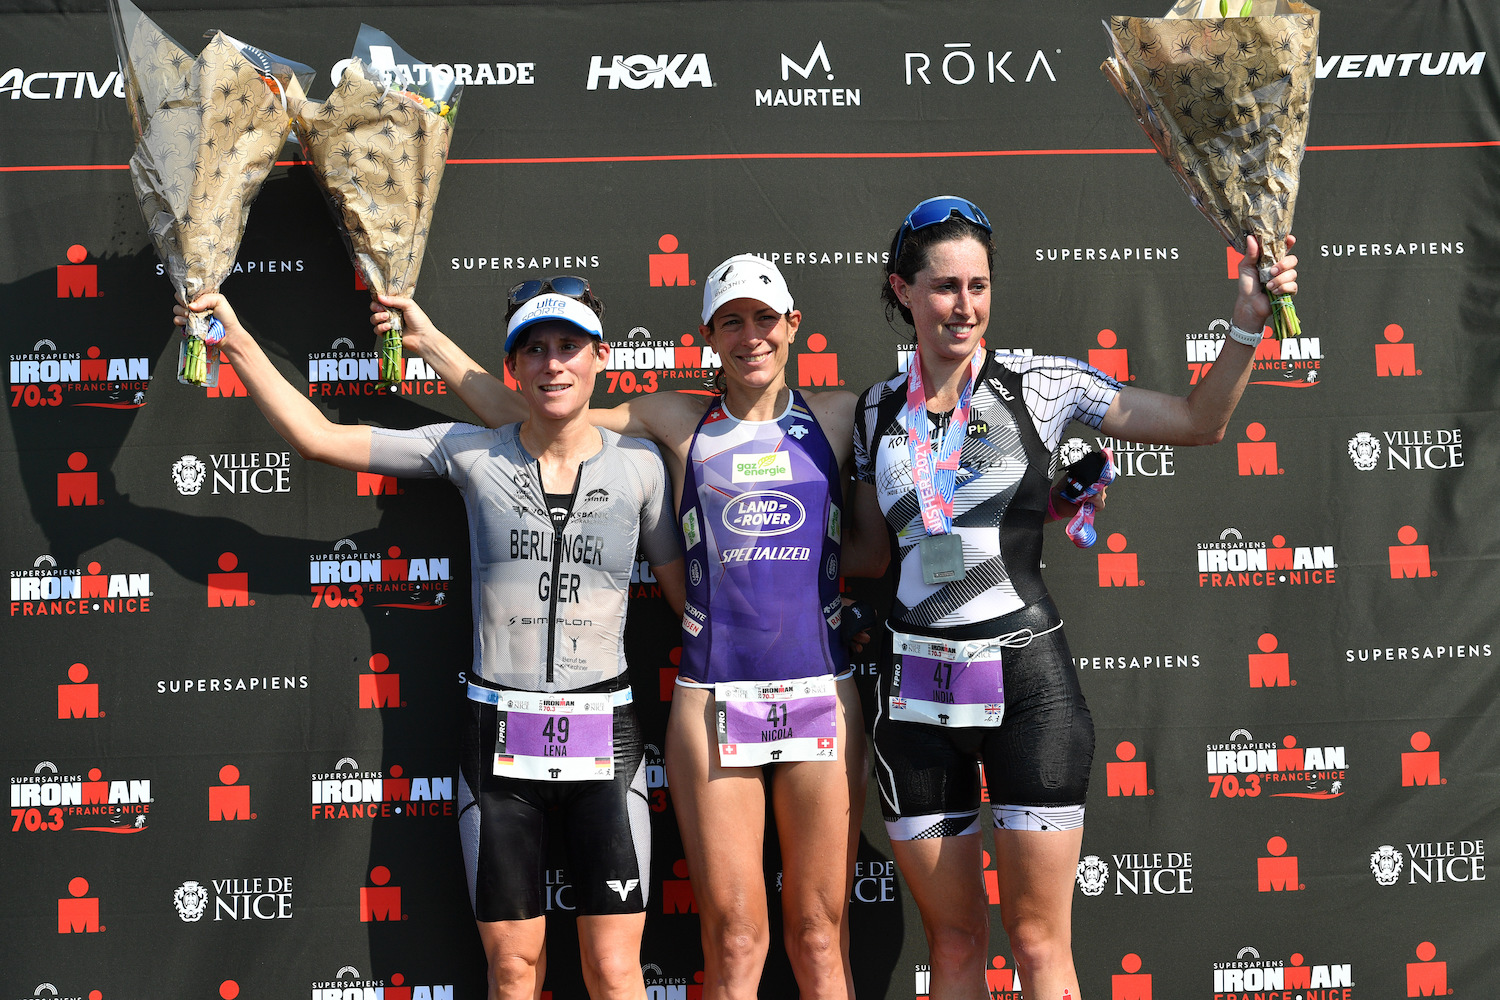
(555, 737)
(955, 684)
(771, 722)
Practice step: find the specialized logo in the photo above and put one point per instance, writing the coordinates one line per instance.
(348, 578)
(1296, 362)
(956, 65)
(1416, 450)
(756, 467)
(45, 590)
(344, 371)
(1250, 973)
(47, 801)
(1246, 768)
(76, 279)
(764, 512)
(258, 897)
(644, 72)
(1409, 561)
(1393, 358)
(45, 376)
(1234, 562)
(1429, 863)
(647, 365)
(807, 96)
(347, 792)
(1398, 64)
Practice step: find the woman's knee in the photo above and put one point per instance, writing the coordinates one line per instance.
(737, 940)
(509, 972)
(1038, 942)
(814, 941)
(613, 974)
(959, 938)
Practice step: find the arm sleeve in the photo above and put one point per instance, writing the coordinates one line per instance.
(420, 453)
(864, 416)
(1059, 390)
(658, 536)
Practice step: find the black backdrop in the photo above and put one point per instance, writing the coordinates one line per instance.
(210, 691)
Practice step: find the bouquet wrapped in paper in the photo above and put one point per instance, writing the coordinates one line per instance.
(207, 132)
(1223, 89)
(378, 145)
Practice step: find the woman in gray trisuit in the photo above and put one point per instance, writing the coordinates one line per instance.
(556, 510)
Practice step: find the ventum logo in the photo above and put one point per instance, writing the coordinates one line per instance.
(49, 801)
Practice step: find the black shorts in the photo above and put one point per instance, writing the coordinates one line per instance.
(1036, 762)
(504, 824)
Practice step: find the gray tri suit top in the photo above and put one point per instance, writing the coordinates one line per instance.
(549, 605)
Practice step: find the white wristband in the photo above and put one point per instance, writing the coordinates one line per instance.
(1244, 336)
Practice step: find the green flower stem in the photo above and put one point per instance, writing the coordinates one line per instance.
(390, 354)
(1284, 322)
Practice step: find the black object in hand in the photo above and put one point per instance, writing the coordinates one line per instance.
(858, 617)
(1079, 476)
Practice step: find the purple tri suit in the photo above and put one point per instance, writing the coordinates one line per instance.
(760, 532)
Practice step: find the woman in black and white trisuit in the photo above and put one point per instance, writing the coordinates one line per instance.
(557, 509)
(955, 457)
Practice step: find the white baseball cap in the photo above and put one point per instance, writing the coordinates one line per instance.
(745, 276)
(552, 307)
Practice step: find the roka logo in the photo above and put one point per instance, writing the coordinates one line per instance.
(642, 72)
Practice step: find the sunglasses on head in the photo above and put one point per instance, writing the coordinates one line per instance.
(935, 210)
(570, 285)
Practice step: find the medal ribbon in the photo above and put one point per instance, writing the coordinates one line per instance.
(934, 472)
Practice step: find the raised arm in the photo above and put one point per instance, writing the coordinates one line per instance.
(1203, 415)
(289, 411)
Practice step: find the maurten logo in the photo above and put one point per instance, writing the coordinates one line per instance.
(807, 96)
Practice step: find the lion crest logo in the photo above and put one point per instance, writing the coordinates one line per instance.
(191, 899)
(188, 474)
(1093, 875)
(1385, 865)
(1072, 450)
(1364, 451)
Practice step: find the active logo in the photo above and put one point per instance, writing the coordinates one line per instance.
(1249, 973)
(227, 588)
(1395, 359)
(348, 578)
(956, 66)
(807, 96)
(45, 590)
(58, 86)
(1268, 668)
(380, 688)
(1247, 768)
(1409, 561)
(1234, 562)
(75, 279)
(77, 700)
(1277, 870)
(1126, 776)
(78, 912)
(229, 801)
(1257, 456)
(380, 900)
(47, 801)
(343, 371)
(347, 792)
(1118, 568)
(45, 376)
(1109, 359)
(259, 897)
(644, 72)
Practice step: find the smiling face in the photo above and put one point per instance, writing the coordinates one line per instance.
(752, 340)
(556, 367)
(949, 299)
